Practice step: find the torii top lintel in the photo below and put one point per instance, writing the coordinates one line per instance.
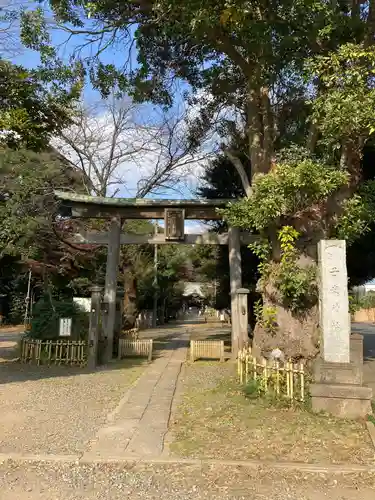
(79, 205)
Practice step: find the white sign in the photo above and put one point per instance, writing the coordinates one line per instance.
(83, 303)
(65, 327)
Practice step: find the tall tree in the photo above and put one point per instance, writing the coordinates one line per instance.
(244, 61)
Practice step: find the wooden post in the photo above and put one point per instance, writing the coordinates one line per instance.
(113, 257)
(150, 352)
(242, 313)
(192, 351)
(94, 328)
(222, 351)
(234, 251)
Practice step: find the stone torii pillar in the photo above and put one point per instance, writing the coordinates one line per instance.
(94, 328)
(110, 288)
(234, 250)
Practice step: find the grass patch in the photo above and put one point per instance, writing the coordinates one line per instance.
(216, 420)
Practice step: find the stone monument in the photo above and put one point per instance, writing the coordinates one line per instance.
(338, 371)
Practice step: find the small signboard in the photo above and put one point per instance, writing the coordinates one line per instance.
(174, 220)
(65, 327)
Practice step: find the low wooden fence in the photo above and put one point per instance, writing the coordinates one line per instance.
(57, 352)
(131, 348)
(284, 379)
(209, 349)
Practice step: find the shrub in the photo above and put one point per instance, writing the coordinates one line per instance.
(46, 319)
(368, 301)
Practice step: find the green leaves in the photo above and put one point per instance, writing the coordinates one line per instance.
(27, 205)
(30, 111)
(345, 106)
(286, 193)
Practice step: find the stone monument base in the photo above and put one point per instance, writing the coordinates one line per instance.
(338, 373)
(338, 387)
(341, 400)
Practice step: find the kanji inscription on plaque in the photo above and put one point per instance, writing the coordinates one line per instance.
(174, 219)
(333, 301)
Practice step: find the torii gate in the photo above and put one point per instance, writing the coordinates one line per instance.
(174, 213)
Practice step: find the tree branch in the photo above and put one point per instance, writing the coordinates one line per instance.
(268, 142)
(224, 43)
(241, 172)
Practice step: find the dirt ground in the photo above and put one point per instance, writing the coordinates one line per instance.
(69, 481)
(58, 409)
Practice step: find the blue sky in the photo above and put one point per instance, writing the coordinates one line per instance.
(114, 54)
(30, 58)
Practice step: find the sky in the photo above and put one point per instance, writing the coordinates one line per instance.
(130, 171)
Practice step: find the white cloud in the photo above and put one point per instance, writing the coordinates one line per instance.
(192, 227)
(145, 145)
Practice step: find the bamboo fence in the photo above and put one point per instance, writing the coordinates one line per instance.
(284, 379)
(130, 348)
(209, 349)
(58, 352)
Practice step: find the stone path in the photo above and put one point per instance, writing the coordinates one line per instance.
(137, 427)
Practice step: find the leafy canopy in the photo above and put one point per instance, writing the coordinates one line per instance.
(31, 111)
(214, 45)
(27, 204)
(285, 194)
(346, 106)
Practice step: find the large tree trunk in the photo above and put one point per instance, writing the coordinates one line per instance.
(260, 130)
(295, 334)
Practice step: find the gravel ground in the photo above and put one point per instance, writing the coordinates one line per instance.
(214, 420)
(58, 409)
(61, 481)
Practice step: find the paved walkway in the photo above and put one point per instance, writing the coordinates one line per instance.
(137, 427)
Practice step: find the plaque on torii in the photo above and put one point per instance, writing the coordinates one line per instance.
(174, 221)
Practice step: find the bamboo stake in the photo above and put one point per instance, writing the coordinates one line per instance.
(264, 365)
(73, 348)
(39, 353)
(30, 352)
(291, 380)
(302, 374)
(287, 380)
(49, 351)
(255, 367)
(277, 364)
